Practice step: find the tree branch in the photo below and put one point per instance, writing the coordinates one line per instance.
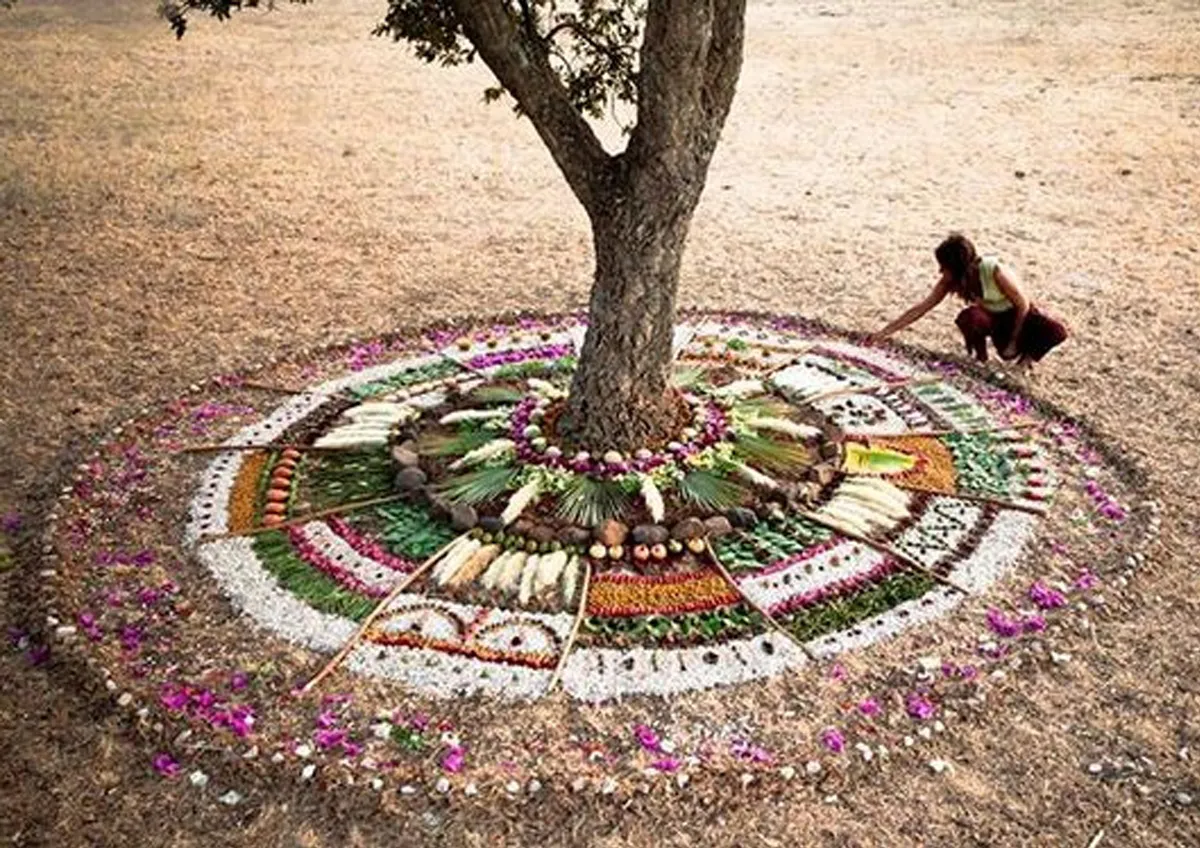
(523, 67)
(690, 61)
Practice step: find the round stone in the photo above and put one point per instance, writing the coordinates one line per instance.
(410, 479)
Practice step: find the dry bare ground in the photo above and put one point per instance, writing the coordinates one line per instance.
(169, 211)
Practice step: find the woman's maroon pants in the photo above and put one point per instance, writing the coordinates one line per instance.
(1039, 334)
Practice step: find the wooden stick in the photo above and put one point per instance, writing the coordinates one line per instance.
(775, 625)
(579, 616)
(1018, 425)
(882, 548)
(216, 448)
(344, 651)
(883, 385)
(967, 496)
(304, 519)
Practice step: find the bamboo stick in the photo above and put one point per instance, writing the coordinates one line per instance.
(967, 496)
(882, 548)
(775, 625)
(304, 519)
(351, 643)
(579, 616)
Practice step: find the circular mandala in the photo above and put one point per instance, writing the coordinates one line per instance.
(848, 494)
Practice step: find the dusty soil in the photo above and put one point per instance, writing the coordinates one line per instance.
(168, 211)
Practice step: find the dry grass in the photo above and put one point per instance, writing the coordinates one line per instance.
(168, 211)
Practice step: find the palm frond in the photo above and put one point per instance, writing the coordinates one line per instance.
(480, 486)
(771, 454)
(493, 395)
(710, 491)
(587, 501)
(457, 444)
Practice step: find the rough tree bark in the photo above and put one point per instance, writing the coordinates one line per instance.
(640, 202)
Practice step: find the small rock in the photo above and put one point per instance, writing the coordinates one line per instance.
(579, 784)
(404, 456)
(865, 751)
(410, 479)
(689, 528)
(233, 797)
(718, 526)
(308, 771)
(471, 789)
(251, 754)
(572, 535)
(408, 789)
(909, 741)
(787, 772)
(534, 786)
(812, 767)
(125, 700)
(925, 733)
(682, 779)
(304, 751)
(377, 783)
(490, 523)
(939, 766)
(542, 533)
(198, 779)
(613, 457)
(741, 517)
(611, 533)
(747, 778)
(650, 534)
(1185, 753)
(463, 516)
(512, 787)
(1059, 659)
(1183, 799)
(939, 727)
(443, 785)
(608, 787)
(1096, 768)
(277, 758)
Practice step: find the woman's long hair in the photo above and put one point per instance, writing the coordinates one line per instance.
(957, 256)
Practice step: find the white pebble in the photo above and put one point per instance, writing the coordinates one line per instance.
(277, 758)
(308, 771)
(1096, 768)
(471, 789)
(930, 664)
(1183, 799)
(787, 772)
(925, 733)
(682, 780)
(231, 798)
(812, 767)
(939, 727)
(534, 786)
(377, 783)
(512, 787)
(443, 785)
(304, 751)
(608, 787)
(382, 730)
(746, 779)
(908, 741)
(667, 746)
(125, 700)
(939, 766)
(1185, 753)
(198, 779)
(408, 789)
(251, 753)
(579, 784)
(865, 750)
(1059, 659)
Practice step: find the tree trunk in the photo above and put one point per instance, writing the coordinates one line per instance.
(640, 202)
(620, 398)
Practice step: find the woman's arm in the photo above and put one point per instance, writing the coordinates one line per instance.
(914, 313)
(1009, 288)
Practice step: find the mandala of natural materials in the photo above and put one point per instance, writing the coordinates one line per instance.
(431, 514)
